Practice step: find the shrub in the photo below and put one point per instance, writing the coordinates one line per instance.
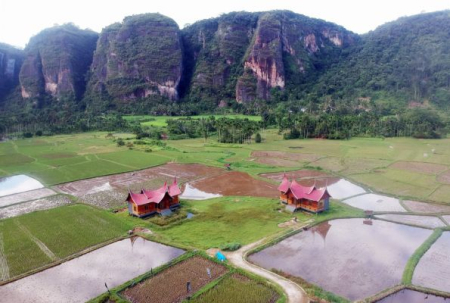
(258, 138)
(38, 133)
(231, 246)
(27, 135)
(120, 142)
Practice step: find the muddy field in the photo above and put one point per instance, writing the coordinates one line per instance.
(84, 278)
(433, 270)
(298, 175)
(424, 221)
(376, 202)
(40, 204)
(426, 208)
(26, 196)
(419, 167)
(347, 256)
(236, 184)
(169, 286)
(110, 191)
(412, 296)
(285, 155)
(277, 162)
(444, 177)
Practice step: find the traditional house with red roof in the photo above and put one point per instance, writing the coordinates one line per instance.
(148, 202)
(297, 196)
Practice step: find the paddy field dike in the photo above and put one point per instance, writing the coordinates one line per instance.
(63, 214)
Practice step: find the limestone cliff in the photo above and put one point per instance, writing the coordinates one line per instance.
(56, 62)
(10, 63)
(138, 58)
(243, 56)
(290, 50)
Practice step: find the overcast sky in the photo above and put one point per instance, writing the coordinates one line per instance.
(21, 19)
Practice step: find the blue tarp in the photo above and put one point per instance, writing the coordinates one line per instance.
(220, 256)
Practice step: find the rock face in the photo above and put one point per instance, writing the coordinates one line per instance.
(10, 63)
(56, 63)
(244, 56)
(138, 58)
(289, 50)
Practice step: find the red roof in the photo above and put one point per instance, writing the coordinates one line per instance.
(303, 192)
(174, 190)
(154, 196)
(284, 186)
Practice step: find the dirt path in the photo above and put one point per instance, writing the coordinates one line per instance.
(4, 269)
(293, 291)
(38, 242)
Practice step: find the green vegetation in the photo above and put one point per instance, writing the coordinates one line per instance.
(418, 254)
(237, 288)
(64, 231)
(161, 121)
(227, 220)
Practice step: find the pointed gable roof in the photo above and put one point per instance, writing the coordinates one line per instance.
(156, 195)
(284, 186)
(303, 192)
(174, 190)
(138, 199)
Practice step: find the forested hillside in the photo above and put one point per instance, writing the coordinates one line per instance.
(273, 64)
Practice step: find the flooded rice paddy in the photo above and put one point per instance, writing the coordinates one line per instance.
(83, 278)
(433, 270)
(412, 296)
(424, 221)
(446, 219)
(376, 202)
(18, 184)
(348, 256)
(25, 196)
(35, 205)
(344, 189)
(426, 208)
(192, 193)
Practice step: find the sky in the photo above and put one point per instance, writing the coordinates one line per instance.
(22, 19)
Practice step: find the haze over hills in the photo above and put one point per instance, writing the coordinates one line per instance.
(146, 64)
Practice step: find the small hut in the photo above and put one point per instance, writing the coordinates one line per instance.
(149, 202)
(297, 196)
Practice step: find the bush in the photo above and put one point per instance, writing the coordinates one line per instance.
(258, 138)
(231, 246)
(38, 133)
(120, 142)
(27, 135)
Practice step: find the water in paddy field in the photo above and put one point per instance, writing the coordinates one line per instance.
(412, 296)
(354, 258)
(375, 202)
(192, 193)
(84, 278)
(18, 184)
(344, 189)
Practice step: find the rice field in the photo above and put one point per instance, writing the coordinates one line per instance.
(36, 239)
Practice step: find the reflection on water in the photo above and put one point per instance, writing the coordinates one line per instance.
(375, 203)
(192, 193)
(412, 296)
(83, 278)
(344, 189)
(347, 257)
(17, 184)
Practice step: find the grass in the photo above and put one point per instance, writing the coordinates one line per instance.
(315, 293)
(64, 158)
(64, 231)
(160, 121)
(238, 289)
(227, 220)
(418, 254)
